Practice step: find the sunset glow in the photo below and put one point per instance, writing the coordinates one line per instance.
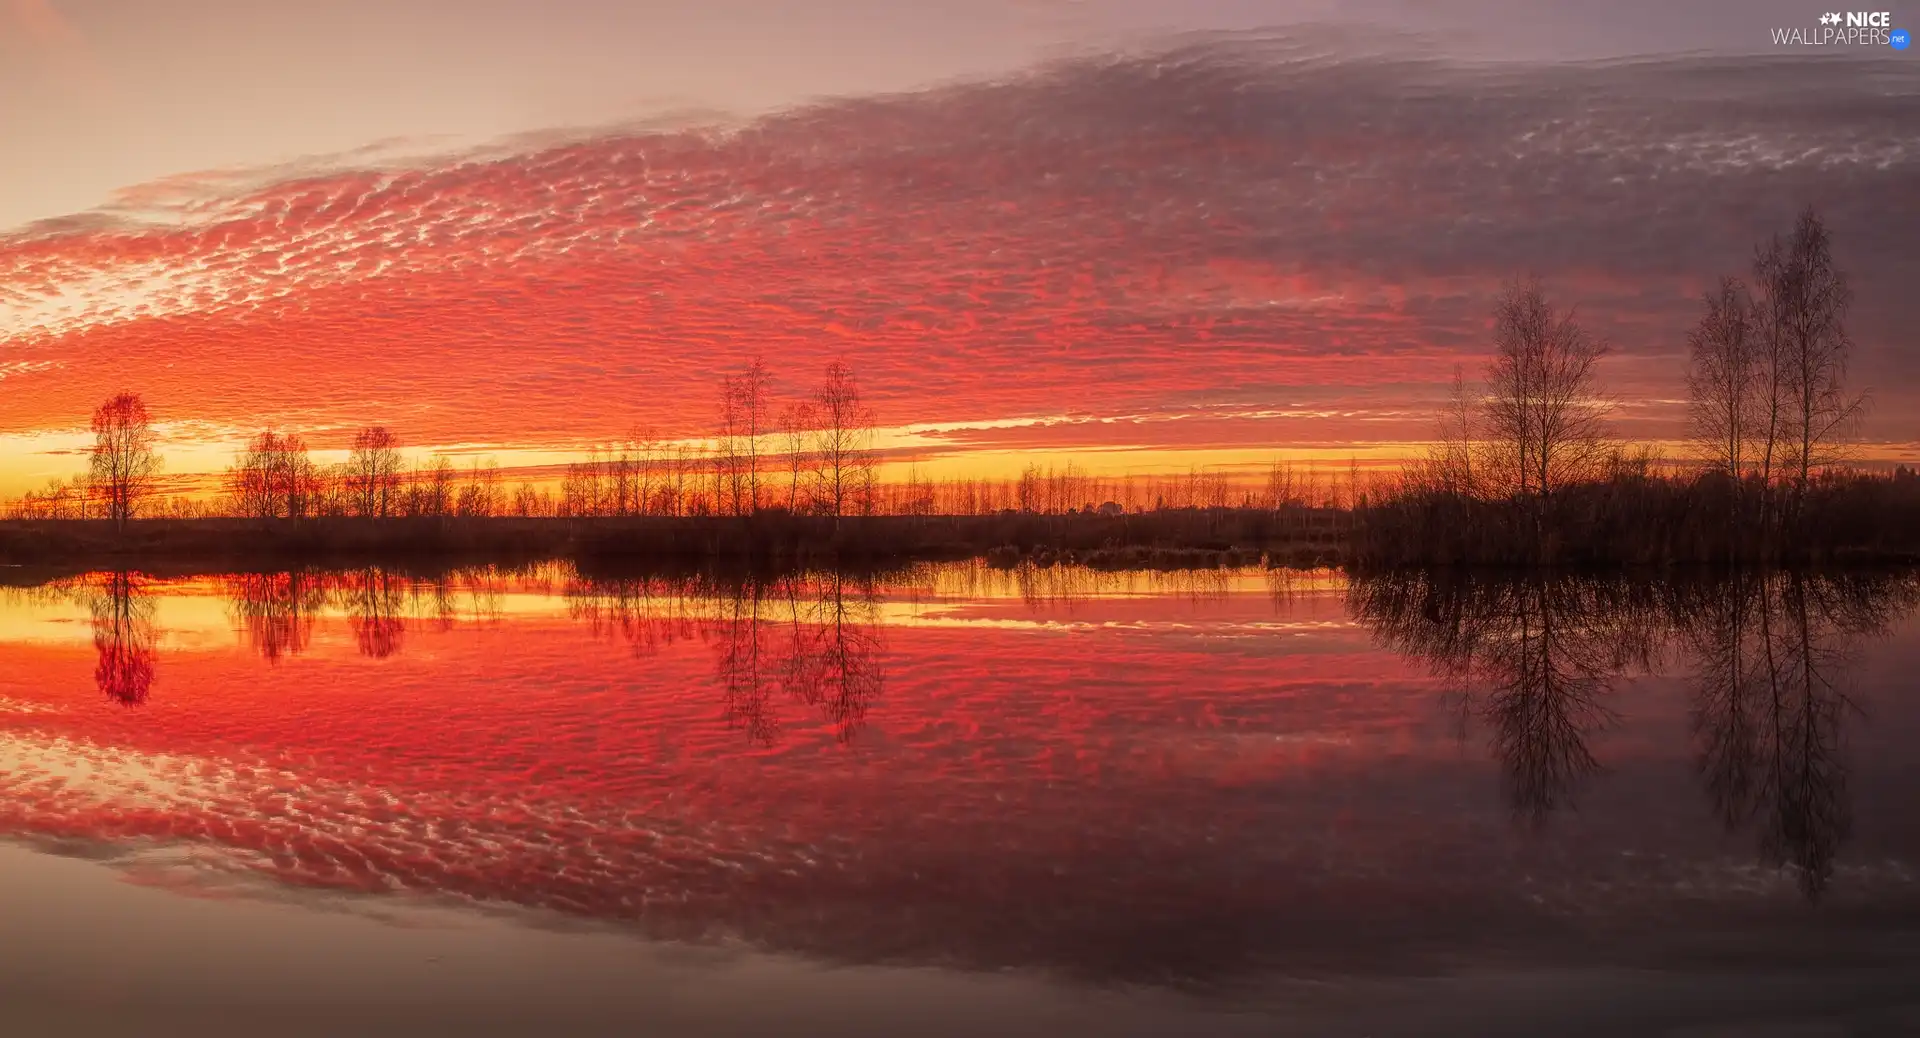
(1197, 253)
(1133, 518)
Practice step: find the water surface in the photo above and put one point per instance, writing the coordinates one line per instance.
(958, 800)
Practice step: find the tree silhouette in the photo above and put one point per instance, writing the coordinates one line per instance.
(1451, 459)
(373, 472)
(436, 496)
(1805, 346)
(751, 387)
(796, 427)
(843, 437)
(1544, 419)
(1723, 375)
(480, 495)
(274, 479)
(123, 459)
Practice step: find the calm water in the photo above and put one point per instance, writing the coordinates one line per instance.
(959, 801)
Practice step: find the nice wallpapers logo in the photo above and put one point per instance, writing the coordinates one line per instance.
(1846, 29)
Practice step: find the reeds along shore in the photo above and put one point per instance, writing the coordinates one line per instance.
(1626, 520)
(1169, 538)
(1526, 469)
(1637, 519)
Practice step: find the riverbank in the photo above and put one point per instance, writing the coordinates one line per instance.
(1170, 538)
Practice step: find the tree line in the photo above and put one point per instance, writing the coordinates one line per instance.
(1525, 466)
(1767, 405)
(814, 456)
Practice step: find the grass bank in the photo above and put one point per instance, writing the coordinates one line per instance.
(1170, 538)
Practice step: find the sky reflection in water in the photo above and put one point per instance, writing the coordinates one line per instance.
(1182, 780)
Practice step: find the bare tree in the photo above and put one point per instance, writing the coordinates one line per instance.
(1279, 492)
(1454, 458)
(585, 489)
(373, 472)
(57, 500)
(437, 497)
(250, 480)
(526, 500)
(843, 438)
(644, 446)
(752, 385)
(743, 425)
(1803, 306)
(679, 466)
(729, 460)
(1723, 379)
(123, 461)
(1544, 418)
(299, 479)
(274, 478)
(796, 425)
(480, 494)
(1026, 494)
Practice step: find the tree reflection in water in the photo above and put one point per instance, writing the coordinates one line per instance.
(1537, 657)
(651, 613)
(1771, 658)
(276, 610)
(124, 636)
(742, 660)
(1534, 656)
(375, 603)
(834, 658)
(815, 637)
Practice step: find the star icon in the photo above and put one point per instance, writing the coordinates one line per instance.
(1829, 19)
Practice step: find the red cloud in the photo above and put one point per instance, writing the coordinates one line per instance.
(1191, 235)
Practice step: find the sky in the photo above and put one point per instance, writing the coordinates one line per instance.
(1138, 234)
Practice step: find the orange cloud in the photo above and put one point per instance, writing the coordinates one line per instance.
(1213, 248)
